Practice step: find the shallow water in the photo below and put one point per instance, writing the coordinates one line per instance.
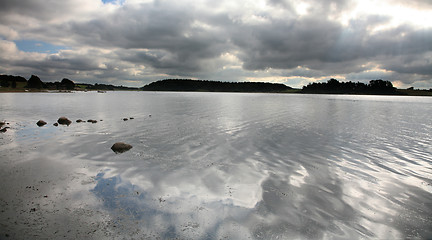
(216, 166)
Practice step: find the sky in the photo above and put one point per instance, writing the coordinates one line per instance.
(135, 42)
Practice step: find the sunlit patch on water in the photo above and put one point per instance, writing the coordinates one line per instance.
(298, 177)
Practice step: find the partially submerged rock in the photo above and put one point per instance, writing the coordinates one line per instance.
(92, 121)
(40, 123)
(55, 124)
(131, 118)
(79, 120)
(2, 123)
(120, 147)
(3, 129)
(125, 119)
(64, 121)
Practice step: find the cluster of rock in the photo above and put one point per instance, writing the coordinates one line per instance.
(90, 121)
(118, 147)
(64, 121)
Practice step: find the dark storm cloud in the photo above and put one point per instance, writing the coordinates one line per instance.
(59, 62)
(145, 27)
(285, 44)
(414, 64)
(323, 44)
(175, 38)
(25, 12)
(23, 8)
(162, 60)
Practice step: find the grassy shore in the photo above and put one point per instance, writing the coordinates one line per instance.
(412, 92)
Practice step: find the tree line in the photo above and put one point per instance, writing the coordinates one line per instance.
(35, 82)
(213, 86)
(333, 86)
(10, 81)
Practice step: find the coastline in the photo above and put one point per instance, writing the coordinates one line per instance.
(399, 92)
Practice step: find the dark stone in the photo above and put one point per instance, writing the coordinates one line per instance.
(120, 147)
(131, 118)
(79, 120)
(125, 119)
(55, 124)
(40, 123)
(64, 121)
(92, 121)
(3, 129)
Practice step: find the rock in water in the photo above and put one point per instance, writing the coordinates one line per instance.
(40, 123)
(79, 120)
(64, 121)
(120, 147)
(55, 124)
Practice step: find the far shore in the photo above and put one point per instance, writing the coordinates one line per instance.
(13, 84)
(399, 92)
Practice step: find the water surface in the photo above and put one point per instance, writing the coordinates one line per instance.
(216, 166)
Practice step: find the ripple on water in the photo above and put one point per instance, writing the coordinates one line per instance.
(213, 166)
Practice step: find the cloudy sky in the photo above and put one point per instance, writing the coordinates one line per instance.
(134, 42)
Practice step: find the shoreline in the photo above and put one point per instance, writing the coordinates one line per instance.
(399, 92)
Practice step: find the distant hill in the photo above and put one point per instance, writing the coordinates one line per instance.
(188, 85)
